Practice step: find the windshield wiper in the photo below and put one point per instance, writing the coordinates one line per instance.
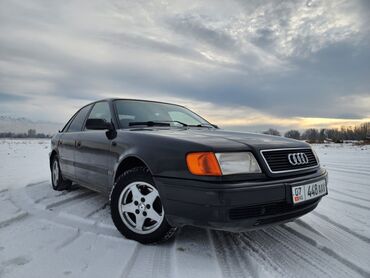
(167, 123)
(149, 123)
(181, 123)
(186, 125)
(204, 125)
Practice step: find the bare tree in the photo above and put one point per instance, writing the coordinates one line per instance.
(294, 134)
(31, 133)
(311, 135)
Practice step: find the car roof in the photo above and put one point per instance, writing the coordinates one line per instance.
(133, 99)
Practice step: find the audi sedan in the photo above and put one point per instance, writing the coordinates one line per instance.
(164, 167)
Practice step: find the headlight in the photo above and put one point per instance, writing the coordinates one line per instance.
(238, 163)
(211, 164)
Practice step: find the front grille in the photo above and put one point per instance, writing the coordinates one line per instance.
(278, 162)
(266, 210)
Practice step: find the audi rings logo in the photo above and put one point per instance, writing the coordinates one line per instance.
(297, 159)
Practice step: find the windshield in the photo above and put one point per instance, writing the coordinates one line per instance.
(134, 112)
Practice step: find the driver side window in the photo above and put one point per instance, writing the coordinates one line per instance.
(101, 110)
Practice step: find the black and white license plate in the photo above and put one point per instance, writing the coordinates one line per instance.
(308, 191)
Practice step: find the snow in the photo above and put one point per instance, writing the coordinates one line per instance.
(23, 161)
(70, 234)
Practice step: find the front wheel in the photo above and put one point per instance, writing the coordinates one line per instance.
(136, 208)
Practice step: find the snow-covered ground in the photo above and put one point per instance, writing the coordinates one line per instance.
(23, 161)
(70, 234)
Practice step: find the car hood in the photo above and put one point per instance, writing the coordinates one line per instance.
(219, 138)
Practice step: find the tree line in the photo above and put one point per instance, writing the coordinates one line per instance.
(312, 135)
(357, 133)
(31, 133)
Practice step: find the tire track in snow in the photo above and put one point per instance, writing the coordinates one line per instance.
(308, 227)
(349, 203)
(97, 210)
(70, 199)
(330, 252)
(149, 261)
(265, 259)
(26, 203)
(248, 264)
(340, 212)
(129, 265)
(214, 251)
(68, 241)
(48, 197)
(352, 166)
(342, 227)
(345, 170)
(239, 257)
(14, 219)
(344, 179)
(195, 254)
(37, 183)
(286, 258)
(348, 194)
(295, 249)
(43, 195)
(230, 266)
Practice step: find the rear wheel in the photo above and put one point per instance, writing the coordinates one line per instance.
(136, 208)
(57, 181)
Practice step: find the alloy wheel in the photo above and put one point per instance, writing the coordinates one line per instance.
(140, 207)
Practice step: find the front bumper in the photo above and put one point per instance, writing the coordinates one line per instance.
(233, 206)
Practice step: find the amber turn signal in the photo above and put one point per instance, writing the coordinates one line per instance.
(203, 164)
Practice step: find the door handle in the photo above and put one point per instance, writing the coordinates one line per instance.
(78, 144)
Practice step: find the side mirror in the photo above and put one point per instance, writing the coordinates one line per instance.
(98, 124)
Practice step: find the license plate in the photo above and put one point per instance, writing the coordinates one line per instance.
(308, 191)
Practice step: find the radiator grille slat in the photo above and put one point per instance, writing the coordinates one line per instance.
(278, 162)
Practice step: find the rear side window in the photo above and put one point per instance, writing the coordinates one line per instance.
(101, 110)
(79, 119)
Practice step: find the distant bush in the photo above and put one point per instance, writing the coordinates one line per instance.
(272, 131)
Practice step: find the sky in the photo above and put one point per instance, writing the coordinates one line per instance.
(245, 65)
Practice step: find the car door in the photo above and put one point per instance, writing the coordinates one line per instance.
(93, 151)
(67, 143)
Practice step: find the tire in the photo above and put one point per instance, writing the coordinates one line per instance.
(136, 208)
(57, 181)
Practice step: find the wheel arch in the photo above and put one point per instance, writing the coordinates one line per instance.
(127, 163)
(52, 155)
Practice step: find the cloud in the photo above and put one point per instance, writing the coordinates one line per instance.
(275, 61)
(10, 98)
